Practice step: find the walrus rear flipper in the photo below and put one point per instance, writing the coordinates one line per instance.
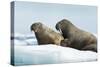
(91, 47)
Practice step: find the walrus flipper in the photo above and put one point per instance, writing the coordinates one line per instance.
(92, 47)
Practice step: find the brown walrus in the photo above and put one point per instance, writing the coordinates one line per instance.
(75, 37)
(46, 35)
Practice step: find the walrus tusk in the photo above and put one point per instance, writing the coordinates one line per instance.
(60, 30)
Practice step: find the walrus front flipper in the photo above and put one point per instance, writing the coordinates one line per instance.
(92, 47)
(65, 42)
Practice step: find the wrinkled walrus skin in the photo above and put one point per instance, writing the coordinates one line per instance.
(78, 38)
(46, 35)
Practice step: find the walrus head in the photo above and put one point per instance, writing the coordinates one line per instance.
(36, 26)
(62, 25)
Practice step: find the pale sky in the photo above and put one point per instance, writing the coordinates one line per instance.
(26, 13)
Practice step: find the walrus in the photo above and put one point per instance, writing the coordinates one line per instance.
(46, 35)
(75, 37)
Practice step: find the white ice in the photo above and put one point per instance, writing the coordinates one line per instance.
(47, 54)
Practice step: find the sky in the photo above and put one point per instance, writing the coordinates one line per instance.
(26, 13)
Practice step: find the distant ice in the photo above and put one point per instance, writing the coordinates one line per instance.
(49, 54)
(24, 39)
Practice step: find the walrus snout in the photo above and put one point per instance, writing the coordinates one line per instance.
(57, 26)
